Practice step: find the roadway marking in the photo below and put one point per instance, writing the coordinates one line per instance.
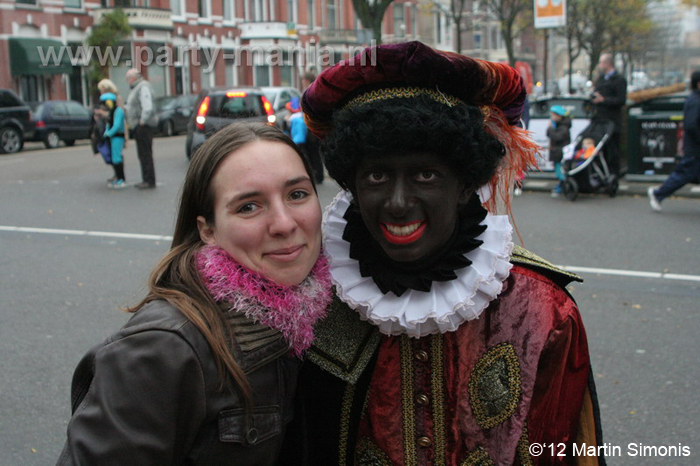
(98, 234)
(570, 268)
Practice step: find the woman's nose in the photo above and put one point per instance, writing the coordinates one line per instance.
(282, 221)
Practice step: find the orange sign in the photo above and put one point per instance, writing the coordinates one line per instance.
(550, 13)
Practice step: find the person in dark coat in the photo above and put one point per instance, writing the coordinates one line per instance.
(205, 371)
(688, 169)
(609, 97)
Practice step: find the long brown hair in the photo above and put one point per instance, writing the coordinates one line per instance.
(175, 278)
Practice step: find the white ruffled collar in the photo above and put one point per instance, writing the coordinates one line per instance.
(416, 313)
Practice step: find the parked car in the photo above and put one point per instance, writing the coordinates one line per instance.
(279, 97)
(217, 108)
(579, 109)
(60, 120)
(16, 125)
(173, 113)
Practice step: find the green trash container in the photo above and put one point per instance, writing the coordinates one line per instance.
(654, 136)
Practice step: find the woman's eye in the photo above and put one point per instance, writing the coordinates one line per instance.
(247, 208)
(298, 195)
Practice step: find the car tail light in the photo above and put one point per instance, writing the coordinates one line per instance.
(202, 113)
(267, 105)
(40, 124)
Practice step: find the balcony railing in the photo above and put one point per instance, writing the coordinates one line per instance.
(344, 36)
(141, 18)
(267, 30)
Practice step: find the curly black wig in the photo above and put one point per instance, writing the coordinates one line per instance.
(417, 124)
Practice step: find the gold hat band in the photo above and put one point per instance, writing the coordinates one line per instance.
(402, 93)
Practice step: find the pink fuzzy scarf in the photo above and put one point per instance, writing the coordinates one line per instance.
(293, 310)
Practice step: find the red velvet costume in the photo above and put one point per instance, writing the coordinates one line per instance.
(481, 395)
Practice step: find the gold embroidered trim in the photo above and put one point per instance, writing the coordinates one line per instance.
(495, 386)
(524, 448)
(345, 409)
(477, 457)
(368, 453)
(522, 256)
(438, 392)
(402, 93)
(343, 343)
(407, 399)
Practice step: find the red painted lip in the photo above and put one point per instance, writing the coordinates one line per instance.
(285, 254)
(395, 239)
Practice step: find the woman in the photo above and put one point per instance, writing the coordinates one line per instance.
(447, 344)
(205, 370)
(112, 116)
(115, 133)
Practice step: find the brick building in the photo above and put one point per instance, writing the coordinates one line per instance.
(182, 46)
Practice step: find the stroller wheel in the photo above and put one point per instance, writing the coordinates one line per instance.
(570, 189)
(613, 185)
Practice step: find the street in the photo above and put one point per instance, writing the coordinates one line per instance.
(74, 252)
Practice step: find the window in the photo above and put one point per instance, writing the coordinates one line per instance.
(258, 10)
(399, 20)
(262, 75)
(59, 110)
(7, 99)
(228, 10)
(204, 8)
(242, 107)
(77, 110)
(176, 7)
(312, 17)
(291, 11)
(330, 15)
(73, 3)
(438, 28)
(230, 64)
(26, 2)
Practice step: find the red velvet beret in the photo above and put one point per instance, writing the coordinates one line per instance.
(475, 82)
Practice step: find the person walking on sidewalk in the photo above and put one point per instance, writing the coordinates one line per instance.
(141, 118)
(688, 169)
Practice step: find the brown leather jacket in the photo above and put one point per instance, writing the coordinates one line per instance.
(151, 395)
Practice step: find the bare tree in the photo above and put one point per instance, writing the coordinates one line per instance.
(457, 14)
(371, 14)
(514, 16)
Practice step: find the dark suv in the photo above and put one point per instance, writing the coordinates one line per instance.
(216, 108)
(16, 125)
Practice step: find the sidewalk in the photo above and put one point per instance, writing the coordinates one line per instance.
(637, 185)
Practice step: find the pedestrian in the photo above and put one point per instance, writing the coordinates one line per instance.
(205, 370)
(446, 344)
(559, 134)
(688, 169)
(295, 122)
(102, 113)
(608, 98)
(114, 132)
(141, 117)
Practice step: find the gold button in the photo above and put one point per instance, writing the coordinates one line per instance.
(422, 400)
(422, 356)
(424, 442)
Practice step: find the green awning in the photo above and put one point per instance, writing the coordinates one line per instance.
(33, 56)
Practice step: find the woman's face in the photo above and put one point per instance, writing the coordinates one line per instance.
(266, 213)
(409, 202)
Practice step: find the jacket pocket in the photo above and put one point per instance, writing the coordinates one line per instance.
(265, 423)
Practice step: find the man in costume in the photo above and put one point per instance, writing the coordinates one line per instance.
(446, 344)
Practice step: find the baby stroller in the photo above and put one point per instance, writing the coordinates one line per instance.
(588, 171)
